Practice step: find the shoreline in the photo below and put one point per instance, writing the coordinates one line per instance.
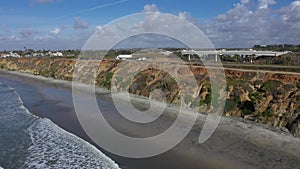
(269, 141)
(31, 136)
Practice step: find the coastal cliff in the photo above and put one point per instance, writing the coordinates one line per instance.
(267, 97)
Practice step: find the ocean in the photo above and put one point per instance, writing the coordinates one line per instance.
(28, 141)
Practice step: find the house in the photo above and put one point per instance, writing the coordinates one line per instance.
(124, 57)
(11, 55)
(38, 55)
(142, 59)
(57, 54)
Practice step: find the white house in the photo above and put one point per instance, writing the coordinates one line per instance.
(124, 57)
(142, 59)
(57, 54)
(13, 55)
(38, 54)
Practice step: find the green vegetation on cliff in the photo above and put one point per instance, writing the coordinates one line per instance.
(270, 98)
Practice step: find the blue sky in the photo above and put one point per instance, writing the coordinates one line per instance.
(63, 24)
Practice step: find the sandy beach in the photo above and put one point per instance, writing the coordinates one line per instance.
(235, 144)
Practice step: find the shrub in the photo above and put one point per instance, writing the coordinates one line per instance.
(237, 100)
(270, 85)
(230, 105)
(289, 87)
(231, 82)
(208, 99)
(246, 86)
(249, 75)
(247, 107)
(255, 96)
(247, 112)
(107, 81)
(258, 82)
(109, 76)
(267, 113)
(298, 85)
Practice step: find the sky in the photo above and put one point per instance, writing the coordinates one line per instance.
(68, 24)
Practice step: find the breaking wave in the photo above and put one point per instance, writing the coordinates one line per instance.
(28, 141)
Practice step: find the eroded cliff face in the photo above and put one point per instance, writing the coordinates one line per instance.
(265, 97)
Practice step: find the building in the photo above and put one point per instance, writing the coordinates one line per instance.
(124, 57)
(10, 55)
(57, 54)
(142, 59)
(38, 55)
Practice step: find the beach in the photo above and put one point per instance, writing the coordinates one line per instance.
(235, 144)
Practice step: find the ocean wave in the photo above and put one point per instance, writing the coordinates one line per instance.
(28, 141)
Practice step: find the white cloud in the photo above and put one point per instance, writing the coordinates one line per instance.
(296, 3)
(184, 15)
(242, 26)
(264, 4)
(55, 31)
(99, 27)
(245, 25)
(291, 13)
(12, 37)
(245, 1)
(150, 8)
(144, 24)
(249, 22)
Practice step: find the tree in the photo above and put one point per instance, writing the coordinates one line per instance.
(288, 59)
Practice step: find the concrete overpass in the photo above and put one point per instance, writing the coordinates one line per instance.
(243, 53)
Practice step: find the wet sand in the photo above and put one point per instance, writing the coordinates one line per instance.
(235, 144)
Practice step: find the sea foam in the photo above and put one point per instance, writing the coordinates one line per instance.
(28, 141)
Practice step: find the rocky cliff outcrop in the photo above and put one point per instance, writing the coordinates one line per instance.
(267, 97)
